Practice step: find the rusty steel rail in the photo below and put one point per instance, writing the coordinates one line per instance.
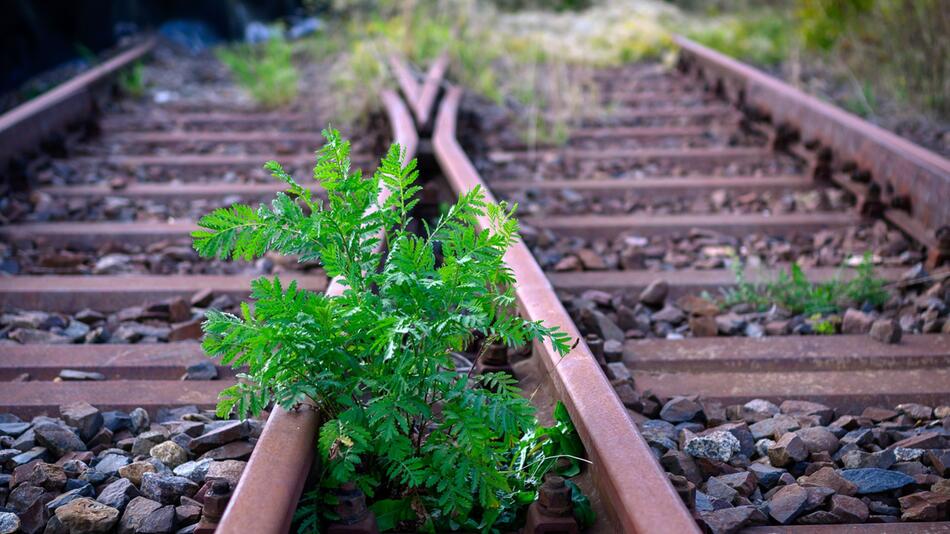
(638, 494)
(110, 293)
(25, 126)
(266, 496)
(894, 163)
(421, 97)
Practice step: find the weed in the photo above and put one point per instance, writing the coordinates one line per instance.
(795, 293)
(266, 71)
(132, 80)
(435, 448)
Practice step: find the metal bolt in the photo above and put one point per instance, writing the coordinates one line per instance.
(352, 504)
(554, 496)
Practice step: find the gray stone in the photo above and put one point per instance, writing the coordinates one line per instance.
(874, 480)
(858, 459)
(140, 420)
(161, 521)
(232, 431)
(229, 470)
(796, 408)
(110, 464)
(14, 429)
(136, 513)
(75, 375)
(145, 441)
(57, 439)
(719, 445)
(680, 409)
(166, 489)
(766, 475)
(773, 427)
(9, 523)
(195, 470)
(720, 490)
(84, 417)
(118, 494)
(655, 293)
(203, 370)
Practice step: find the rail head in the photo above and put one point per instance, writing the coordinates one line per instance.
(895, 163)
(267, 494)
(25, 126)
(638, 493)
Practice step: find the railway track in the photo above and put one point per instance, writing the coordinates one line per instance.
(624, 228)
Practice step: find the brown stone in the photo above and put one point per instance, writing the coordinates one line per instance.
(591, 260)
(827, 477)
(848, 509)
(703, 326)
(856, 322)
(925, 506)
(788, 449)
(788, 503)
(135, 470)
(818, 439)
(86, 516)
(886, 331)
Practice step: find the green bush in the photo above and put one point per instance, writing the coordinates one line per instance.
(266, 71)
(433, 447)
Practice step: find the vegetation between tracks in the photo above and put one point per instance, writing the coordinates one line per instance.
(434, 448)
(265, 70)
(796, 294)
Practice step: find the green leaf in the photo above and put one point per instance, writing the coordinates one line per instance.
(583, 512)
(390, 512)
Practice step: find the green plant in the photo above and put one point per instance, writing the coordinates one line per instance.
(132, 80)
(762, 37)
(432, 447)
(794, 292)
(266, 71)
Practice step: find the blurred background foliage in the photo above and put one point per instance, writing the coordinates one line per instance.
(880, 59)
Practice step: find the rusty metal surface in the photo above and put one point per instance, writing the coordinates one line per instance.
(145, 361)
(786, 353)
(736, 225)
(178, 136)
(163, 190)
(668, 187)
(161, 119)
(266, 496)
(190, 161)
(97, 233)
(108, 293)
(716, 154)
(26, 125)
(36, 398)
(850, 390)
(922, 175)
(639, 495)
(864, 528)
(691, 281)
(638, 132)
(429, 90)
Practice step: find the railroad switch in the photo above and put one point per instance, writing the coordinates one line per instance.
(216, 500)
(355, 516)
(552, 513)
